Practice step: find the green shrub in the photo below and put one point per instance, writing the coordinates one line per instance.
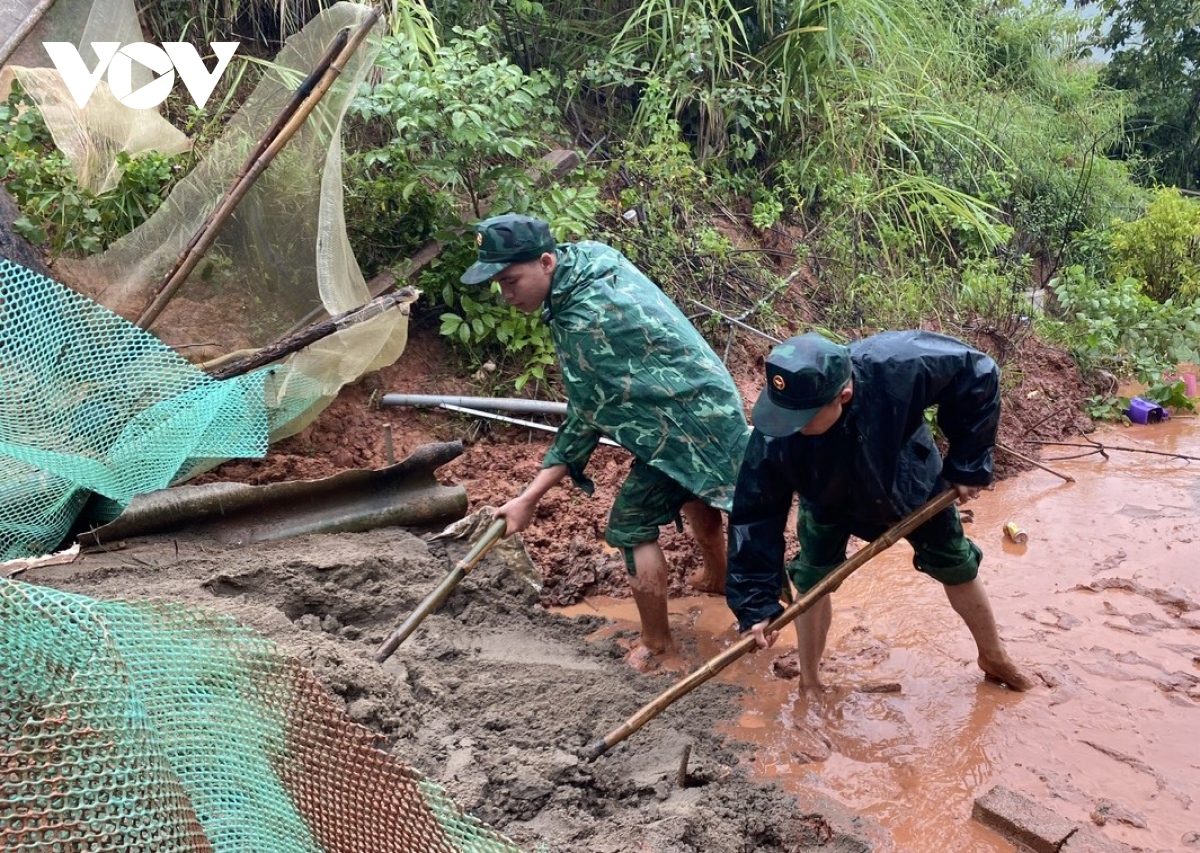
(1117, 326)
(56, 212)
(466, 122)
(383, 221)
(1161, 249)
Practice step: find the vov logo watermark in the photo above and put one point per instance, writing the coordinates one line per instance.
(118, 61)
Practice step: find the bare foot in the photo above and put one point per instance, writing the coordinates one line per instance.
(701, 581)
(1007, 673)
(649, 662)
(808, 722)
(814, 697)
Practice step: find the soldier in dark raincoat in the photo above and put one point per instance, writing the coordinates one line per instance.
(637, 372)
(843, 427)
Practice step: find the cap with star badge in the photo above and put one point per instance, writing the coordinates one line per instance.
(804, 374)
(506, 240)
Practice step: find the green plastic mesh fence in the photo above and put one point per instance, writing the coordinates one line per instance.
(139, 727)
(96, 410)
(91, 403)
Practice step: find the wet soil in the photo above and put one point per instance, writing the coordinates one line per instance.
(496, 696)
(1101, 604)
(1042, 391)
(493, 697)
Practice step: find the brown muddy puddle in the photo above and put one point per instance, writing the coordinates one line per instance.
(1102, 603)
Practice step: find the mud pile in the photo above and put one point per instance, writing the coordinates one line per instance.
(494, 697)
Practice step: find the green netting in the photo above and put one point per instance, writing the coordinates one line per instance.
(96, 407)
(149, 727)
(91, 403)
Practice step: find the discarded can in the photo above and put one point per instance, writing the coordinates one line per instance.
(1015, 533)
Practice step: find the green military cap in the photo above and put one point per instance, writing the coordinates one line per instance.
(505, 240)
(804, 374)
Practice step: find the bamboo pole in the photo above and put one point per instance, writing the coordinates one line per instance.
(291, 343)
(434, 600)
(1033, 462)
(747, 643)
(26, 27)
(285, 126)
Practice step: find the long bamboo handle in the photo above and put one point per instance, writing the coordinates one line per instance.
(280, 133)
(434, 600)
(745, 644)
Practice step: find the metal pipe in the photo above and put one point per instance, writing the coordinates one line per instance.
(546, 427)
(736, 322)
(499, 404)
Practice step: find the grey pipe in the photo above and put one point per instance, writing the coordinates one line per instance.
(499, 404)
(492, 416)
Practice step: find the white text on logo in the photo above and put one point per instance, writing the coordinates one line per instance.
(164, 61)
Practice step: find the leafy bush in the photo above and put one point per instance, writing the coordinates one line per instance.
(386, 218)
(57, 213)
(465, 122)
(1120, 327)
(1161, 249)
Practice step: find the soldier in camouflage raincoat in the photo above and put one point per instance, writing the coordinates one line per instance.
(638, 372)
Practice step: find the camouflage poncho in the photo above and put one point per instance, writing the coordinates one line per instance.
(638, 372)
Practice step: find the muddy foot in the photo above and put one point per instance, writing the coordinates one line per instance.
(809, 743)
(701, 581)
(649, 662)
(786, 666)
(1006, 673)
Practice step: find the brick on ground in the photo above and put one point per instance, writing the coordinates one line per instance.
(1088, 840)
(1022, 820)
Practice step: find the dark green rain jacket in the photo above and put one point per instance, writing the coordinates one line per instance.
(638, 372)
(876, 465)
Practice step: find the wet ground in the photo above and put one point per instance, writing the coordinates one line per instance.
(1101, 603)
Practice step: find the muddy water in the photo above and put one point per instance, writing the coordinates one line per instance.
(1101, 603)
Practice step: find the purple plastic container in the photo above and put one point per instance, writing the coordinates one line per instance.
(1145, 412)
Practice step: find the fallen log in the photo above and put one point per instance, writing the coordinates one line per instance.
(406, 494)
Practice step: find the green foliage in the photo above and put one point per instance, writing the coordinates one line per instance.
(1168, 391)
(56, 212)
(1102, 407)
(262, 22)
(1161, 249)
(665, 181)
(1117, 326)
(479, 322)
(465, 121)
(387, 217)
(461, 123)
(1154, 51)
(484, 326)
